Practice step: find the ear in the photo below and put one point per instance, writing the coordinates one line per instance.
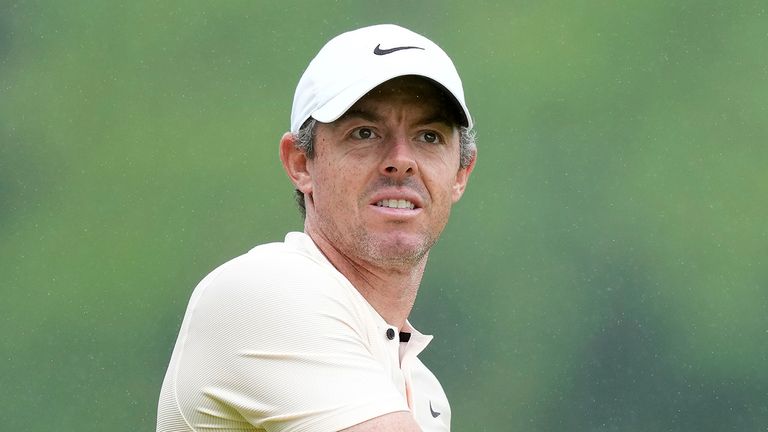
(462, 177)
(295, 163)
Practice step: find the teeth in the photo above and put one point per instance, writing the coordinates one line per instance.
(393, 203)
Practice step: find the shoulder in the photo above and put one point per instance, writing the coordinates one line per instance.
(275, 288)
(273, 271)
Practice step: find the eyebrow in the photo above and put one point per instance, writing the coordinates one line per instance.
(361, 114)
(437, 117)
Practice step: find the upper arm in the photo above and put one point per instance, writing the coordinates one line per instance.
(283, 352)
(394, 422)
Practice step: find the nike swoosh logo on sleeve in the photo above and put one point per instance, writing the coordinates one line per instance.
(432, 411)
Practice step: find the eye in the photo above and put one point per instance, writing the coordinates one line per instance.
(430, 137)
(363, 133)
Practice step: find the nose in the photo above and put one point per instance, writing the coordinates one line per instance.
(399, 160)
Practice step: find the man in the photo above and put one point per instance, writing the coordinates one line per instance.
(312, 334)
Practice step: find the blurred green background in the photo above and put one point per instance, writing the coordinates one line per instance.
(607, 269)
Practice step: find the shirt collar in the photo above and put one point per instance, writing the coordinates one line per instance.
(418, 341)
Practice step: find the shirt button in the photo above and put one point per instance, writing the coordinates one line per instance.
(390, 334)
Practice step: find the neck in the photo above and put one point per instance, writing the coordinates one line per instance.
(390, 288)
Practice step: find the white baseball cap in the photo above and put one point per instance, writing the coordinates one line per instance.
(353, 63)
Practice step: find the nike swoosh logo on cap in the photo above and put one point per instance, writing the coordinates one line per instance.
(379, 51)
(434, 413)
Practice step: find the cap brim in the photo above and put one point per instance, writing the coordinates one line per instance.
(336, 107)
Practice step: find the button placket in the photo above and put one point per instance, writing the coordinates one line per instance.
(392, 345)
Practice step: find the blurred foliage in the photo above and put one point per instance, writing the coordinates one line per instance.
(607, 269)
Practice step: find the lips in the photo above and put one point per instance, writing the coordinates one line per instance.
(400, 198)
(396, 203)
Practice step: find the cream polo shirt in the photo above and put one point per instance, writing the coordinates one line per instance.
(279, 340)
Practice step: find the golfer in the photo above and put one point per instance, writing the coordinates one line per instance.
(312, 333)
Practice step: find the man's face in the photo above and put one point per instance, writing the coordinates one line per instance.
(384, 175)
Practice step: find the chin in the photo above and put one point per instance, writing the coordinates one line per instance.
(401, 248)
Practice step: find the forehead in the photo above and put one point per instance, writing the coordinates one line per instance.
(412, 90)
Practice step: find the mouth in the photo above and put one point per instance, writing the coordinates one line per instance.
(396, 204)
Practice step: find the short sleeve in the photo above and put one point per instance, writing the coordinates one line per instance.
(280, 345)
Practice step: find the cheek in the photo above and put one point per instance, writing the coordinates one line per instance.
(450, 195)
(336, 183)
